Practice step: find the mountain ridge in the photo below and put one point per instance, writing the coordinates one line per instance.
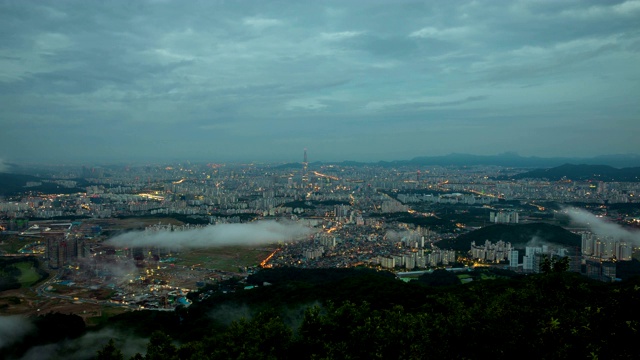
(583, 172)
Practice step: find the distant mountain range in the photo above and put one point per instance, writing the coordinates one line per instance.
(509, 159)
(515, 160)
(582, 172)
(600, 168)
(506, 159)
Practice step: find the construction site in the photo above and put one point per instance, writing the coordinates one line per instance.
(95, 280)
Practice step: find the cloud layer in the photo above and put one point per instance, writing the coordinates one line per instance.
(360, 80)
(255, 233)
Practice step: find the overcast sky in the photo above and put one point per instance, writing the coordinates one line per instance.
(349, 80)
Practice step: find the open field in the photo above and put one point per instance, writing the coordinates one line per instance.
(487, 277)
(105, 313)
(28, 274)
(26, 302)
(228, 258)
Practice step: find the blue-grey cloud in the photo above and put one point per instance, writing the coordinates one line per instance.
(105, 80)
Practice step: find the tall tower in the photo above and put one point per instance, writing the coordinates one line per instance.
(305, 164)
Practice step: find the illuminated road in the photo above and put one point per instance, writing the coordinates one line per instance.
(325, 176)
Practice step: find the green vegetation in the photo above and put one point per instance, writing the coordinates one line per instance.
(109, 352)
(20, 272)
(554, 265)
(369, 316)
(439, 277)
(298, 204)
(12, 184)
(29, 275)
(106, 312)
(229, 258)
(365, 314)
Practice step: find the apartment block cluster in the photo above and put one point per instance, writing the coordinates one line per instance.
(454, 198)
(420, 259)
(596, 258)
(504, 217)
(565, 191)
(345, 201)
(534, 256)
(491, 252)
(313, 253)
(205, 189)
(64, 245)
(605, 247)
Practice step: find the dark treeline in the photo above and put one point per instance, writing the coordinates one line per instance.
(367, 316)
(364, 314)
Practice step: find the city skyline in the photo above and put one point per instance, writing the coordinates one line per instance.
(362, 81)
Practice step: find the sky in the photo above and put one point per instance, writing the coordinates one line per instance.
(125, 81)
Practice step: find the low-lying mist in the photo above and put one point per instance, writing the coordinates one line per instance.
(13, 328)
(87, 346)
(254, 233)
(602, 227)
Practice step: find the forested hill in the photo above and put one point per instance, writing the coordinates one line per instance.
(583, 173)
(11, 184)
(517, 234)
(349, 313)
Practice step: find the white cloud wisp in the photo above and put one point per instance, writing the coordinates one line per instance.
(255, 233)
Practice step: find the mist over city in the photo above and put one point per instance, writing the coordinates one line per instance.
(333, 179)
(256, 233)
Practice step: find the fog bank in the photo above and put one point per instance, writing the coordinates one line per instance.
(254, 233)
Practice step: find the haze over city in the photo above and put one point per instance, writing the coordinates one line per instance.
(360, 80)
